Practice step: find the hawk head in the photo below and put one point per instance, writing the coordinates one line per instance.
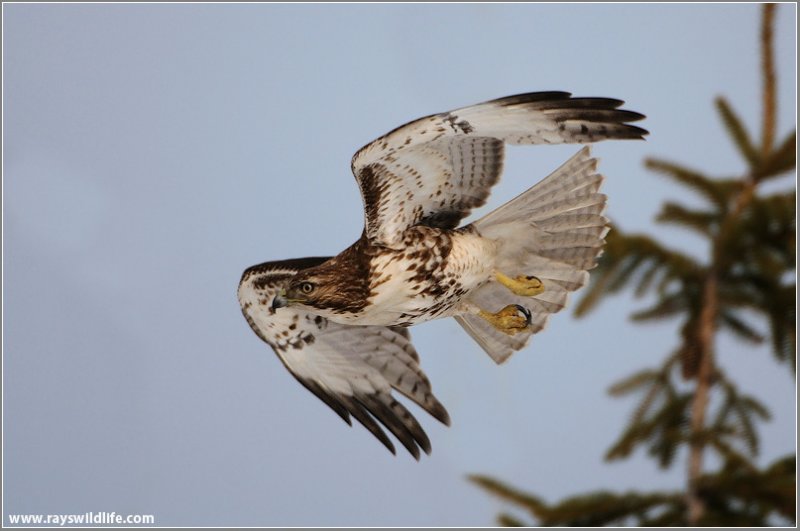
(331, 287)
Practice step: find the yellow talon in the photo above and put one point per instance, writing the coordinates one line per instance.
(525, 286)
(508, 320)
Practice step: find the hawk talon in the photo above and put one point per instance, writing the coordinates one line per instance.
(508, 320)
(526, 312)
(522, 285)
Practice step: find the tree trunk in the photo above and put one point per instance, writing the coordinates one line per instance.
(705, 376)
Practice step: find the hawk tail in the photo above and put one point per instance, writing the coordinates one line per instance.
(555, 231)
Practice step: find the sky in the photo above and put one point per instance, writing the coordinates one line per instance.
(152, 152)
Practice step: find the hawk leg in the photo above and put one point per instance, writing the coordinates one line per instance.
(522, 285)
(508, 320)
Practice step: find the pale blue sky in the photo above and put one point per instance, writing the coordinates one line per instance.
(152, 152)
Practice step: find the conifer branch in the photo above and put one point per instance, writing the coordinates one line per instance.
(738, 133)
(742, 330)
(506, 520)
(783, 159)
(768, 68)
(700, 221)
(712, 190)
(501, 490)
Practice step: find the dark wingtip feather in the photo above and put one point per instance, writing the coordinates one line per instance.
(357, 410)
(438, 411)
(633, 116)
(637, 133)
(563, 108)
(389, 419)
(410, 423)
(329, 399)
(531, 97)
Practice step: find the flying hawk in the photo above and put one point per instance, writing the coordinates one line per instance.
(339, 324)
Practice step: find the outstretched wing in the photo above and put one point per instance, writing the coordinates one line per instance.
(353, 369)
(435, 170)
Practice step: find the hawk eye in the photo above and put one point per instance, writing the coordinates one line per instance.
(306, 287)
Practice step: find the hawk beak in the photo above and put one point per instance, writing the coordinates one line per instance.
(279, 301)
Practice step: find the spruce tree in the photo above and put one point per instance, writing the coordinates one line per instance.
(749, 272)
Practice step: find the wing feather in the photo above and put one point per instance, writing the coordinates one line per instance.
(352, 369)
(358, 411)
(435, 170)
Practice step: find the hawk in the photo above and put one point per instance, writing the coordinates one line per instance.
(339, 324)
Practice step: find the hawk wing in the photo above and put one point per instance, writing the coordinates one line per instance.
(435, 170)
(353, 369)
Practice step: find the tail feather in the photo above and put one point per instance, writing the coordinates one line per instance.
(571, 221)
(555, 231)
(589, 202)
(584, 236)
(499, 346)
(566, 182)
